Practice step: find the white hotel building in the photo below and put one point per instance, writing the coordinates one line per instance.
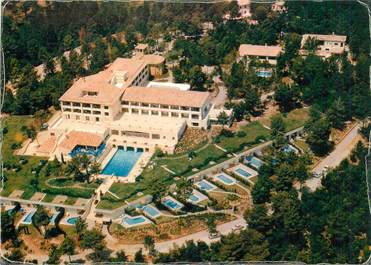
(118, 108)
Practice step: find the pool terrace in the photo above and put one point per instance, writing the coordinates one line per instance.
(243, 172)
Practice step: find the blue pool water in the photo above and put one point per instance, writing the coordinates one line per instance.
(171, 204)
(203, 185)
(289, 148)
(264, 74)
(194, 198)
(72, 220)
(255, 162)
(121, 163)
(151, 211)
(242, 172)
(225, 179)
(134, 220)
(28, 219)
(90, 151)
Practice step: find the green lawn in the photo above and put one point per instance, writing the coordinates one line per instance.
(294, 119)
(252, 130)
(21, 180)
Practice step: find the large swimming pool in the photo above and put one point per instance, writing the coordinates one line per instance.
(121, 163)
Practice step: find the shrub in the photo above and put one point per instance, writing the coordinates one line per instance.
(241, 134)
(14, 146)
(226, 133)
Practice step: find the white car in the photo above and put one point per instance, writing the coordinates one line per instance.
(214, 235)
(237, 227)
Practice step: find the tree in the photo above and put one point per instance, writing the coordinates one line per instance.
(80, 227)
(211, 226)
(197, 78)
(54, 255)
(91, 238)
(7, 227)
(277, 133)
(223, 118)
(336, 114)
(286, 97)
(101, 253)
(149, 244)
(68, 247)
(318, 137)
(82, 167)
(183, 189)
(138, 257)
(40, 219)
(120, 257)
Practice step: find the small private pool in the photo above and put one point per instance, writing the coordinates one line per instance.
(172, 204)
(196, 197)
(264, 73)
(151, 211)
(130, 221)
(244, 172)
(89, 150)
(205, 185)
(254, 161)
(121, 163)
(27, 219)
(72, 220)
(52, 220)
(289, 148)
(225, 179)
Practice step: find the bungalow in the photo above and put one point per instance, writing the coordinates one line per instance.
(326, 45)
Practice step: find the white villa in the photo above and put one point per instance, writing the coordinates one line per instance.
(263, 53)
(327, 44)
(244, 8)
(119, 108)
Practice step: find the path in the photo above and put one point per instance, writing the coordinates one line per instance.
(341, 151)
(130, 249)
(221, 97)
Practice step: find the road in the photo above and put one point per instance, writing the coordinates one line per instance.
(221, 97)
(341, 151)
(224, 229)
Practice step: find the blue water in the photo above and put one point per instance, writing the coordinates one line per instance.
(28, 219)
(72, 220)
(90, 151)
(194, 198)
(204, 185)
(288, 149)
(121, 163)
(255, 162)
(225, 179)
(151, 211)
(242, 172)
(133, 220)
(264, 74)
(171, 204)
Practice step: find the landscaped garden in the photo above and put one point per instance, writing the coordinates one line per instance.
(32, 174)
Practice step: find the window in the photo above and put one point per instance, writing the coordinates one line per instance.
(68, 116)
(66, 103)
(165, 106)
(154, 112)
(77, 110)
(174, 107)
(174, 114)
(135, 111)
(145, 105)
(105, 107)
(115, 132)
(87, 111)
(95, 112)
(125, 102)
(66, 109)
(155, 136)
(185, 115)
(145, 112)
(134, 104)
(91, 93)
(125, 110)
(77, 117)
(96, 118)
(87, 118)
(194, 123)
(184, 108)
(96, 106)
(85, 105)
(195, 116)
(195, 109)
(164, 113)
(106, 113)
(155, 105)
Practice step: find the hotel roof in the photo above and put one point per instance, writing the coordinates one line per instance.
(75, 138)
(322, 37)
(97, 88)
(165, 96)
(259, 50)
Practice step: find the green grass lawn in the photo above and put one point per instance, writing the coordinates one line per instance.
(252, 130)
(294, 119)
(21, 180)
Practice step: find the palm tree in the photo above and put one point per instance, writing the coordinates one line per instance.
(40, 219)
(68, 247)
